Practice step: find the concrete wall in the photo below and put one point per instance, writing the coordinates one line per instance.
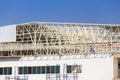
(92, 68)
(8, 33)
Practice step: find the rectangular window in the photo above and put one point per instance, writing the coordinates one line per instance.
(53, 69)
(1, 71)
(25, 70)
(39, 70)
(9, 70)
(69, 69)
(48, 69)
(29, 70)
(57, 69)
(5, 71)
(79, 70)
(21, 70)
(74, 69)
(33, 70)
(118, 65)
(43, 69)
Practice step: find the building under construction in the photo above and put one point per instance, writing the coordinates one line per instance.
(60, 51)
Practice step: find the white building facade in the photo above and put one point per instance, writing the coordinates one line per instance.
(64, 68)
(60, 51)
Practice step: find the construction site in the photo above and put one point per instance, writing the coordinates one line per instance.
(60, 51)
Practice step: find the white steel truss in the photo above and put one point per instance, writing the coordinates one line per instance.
(42, 38)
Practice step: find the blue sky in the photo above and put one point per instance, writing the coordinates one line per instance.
(75, 11)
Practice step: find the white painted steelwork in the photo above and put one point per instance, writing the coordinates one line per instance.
(47, 38)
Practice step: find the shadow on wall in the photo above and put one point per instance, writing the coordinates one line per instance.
(9, 59)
